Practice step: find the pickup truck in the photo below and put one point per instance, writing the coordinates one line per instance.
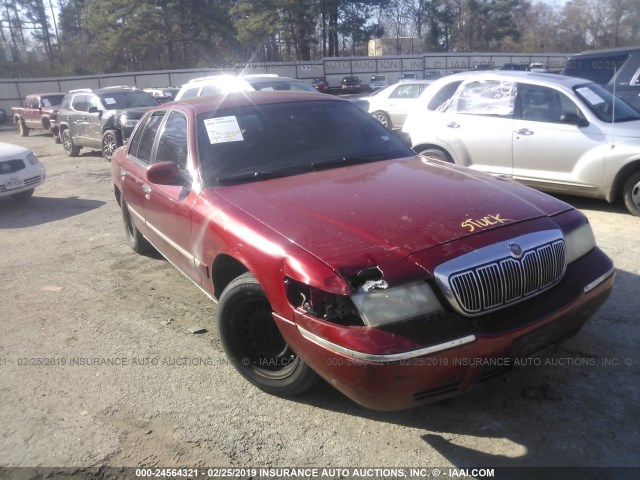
(38, 112)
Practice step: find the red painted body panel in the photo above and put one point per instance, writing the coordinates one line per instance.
(366, 215)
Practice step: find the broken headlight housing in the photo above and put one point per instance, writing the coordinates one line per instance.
(373, 308)
(397, 304)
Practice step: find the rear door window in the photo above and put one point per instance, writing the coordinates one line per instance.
(494, 98)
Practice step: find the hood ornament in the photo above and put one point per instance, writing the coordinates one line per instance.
(516, 251)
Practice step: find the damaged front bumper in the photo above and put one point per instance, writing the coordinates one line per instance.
(426, 360)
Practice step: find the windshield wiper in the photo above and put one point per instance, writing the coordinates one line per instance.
(251, 176)
(347, 161)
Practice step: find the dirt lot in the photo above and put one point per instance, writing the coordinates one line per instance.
(75, 297)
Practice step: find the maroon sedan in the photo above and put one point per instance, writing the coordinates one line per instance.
(335, 251)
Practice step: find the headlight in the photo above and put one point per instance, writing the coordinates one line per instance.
(33, 160)
(392, 305)
(128, 122)
(579, 242)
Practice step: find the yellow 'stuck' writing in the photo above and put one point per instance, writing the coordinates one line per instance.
(472, 224)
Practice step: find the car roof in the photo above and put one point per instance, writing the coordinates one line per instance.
(416, 81)
(45, 94)
(208, 103)
(101, 91)
(556, 79)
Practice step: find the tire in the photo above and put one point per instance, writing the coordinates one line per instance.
(253, 343)
(67, 143)
(383, 118)
(135, 239)
(110, 141)
(23, 195)
(436, 153)
(23, 129)
(631, 194)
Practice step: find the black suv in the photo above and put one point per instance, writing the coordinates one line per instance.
(615, 68)
(101, 119)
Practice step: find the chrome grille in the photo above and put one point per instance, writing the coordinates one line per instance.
(491, 278)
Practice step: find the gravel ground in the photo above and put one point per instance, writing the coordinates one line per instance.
(97, 366)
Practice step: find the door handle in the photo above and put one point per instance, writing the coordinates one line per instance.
(524, 131)
(453, 125)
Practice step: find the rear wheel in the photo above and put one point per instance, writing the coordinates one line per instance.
(23, 129)
(254, 344)
(110, 142)
(383, 118)
(436, 153)
(67, 143)
(135, 239)
(631, 193)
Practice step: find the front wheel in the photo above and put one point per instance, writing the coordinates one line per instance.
(436, 153)
(67, 143)
(383, 118)
(631, 194)
(23, 195)
(252, 341)
(110, 142)
(23, 129)
(135, 239)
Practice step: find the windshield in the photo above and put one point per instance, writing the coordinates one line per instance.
(254, 142)
(129, 99)
(51, 100)
(605, 105)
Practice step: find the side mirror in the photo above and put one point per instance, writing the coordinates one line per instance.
(165, 173)
(573, 119)
(404, 137)
(93, 110)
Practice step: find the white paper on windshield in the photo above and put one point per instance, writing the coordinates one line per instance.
(223, 129)
(592, 97)
(109, 101)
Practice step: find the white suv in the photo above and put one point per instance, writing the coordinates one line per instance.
(555, 133)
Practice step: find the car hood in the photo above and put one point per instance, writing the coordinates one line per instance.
(370, 214)
(625, 131)
(133, 113)
(10, 151)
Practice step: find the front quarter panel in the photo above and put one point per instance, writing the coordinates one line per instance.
(219, 228)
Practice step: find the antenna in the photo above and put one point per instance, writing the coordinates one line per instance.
(613, 109)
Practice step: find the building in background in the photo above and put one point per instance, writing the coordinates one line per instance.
(379, 47)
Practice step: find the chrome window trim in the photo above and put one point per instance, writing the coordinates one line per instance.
(494, 253)
(388, 358)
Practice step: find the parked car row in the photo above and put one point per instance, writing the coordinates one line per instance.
(103, 119)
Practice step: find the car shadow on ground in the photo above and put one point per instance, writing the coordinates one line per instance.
(542, 415)
(598, 205)
(40, 210)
